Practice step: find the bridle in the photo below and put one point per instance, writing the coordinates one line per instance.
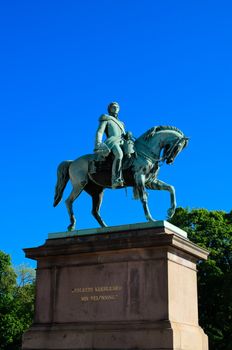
(169, 152)
(166, 156)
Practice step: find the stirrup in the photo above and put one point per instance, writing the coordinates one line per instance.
(118, 183)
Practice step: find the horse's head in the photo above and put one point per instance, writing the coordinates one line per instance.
(173, 148)
(161, 143)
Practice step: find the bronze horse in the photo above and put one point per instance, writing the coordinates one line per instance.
(158, 144)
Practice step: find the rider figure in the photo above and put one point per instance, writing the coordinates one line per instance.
(115, 132)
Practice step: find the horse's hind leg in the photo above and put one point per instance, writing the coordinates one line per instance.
(97, 200)
(69, 204)
(145, 207)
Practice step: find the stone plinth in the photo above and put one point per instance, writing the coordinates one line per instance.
(127, 287)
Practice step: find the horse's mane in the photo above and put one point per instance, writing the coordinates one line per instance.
(151, 132)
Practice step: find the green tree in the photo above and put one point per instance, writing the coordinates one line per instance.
(212, 230)
(16, 303)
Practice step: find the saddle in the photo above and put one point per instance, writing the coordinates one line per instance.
(100, 168)
(100, 171)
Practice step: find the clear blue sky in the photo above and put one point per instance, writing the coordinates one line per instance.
(62, 62)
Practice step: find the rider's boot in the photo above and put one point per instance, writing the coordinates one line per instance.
(117, 180)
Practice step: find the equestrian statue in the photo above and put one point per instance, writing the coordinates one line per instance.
(120, 161)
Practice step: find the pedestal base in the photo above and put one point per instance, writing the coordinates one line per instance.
(125, 288)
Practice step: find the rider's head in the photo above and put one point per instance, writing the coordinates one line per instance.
(113, 109)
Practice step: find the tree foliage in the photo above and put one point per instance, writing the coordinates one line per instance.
(212, 230)
(16, 303)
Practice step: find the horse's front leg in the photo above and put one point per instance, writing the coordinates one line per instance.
(160, 185)
(140, 187)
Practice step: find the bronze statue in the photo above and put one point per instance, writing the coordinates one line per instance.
(108, 168)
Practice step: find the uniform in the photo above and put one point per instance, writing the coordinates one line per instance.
(114, 130)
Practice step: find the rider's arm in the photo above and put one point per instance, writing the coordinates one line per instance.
(100, 132)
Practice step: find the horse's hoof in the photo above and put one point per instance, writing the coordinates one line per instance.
(151, 219)
(104, 225)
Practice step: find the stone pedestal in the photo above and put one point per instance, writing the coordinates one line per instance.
(126, 287)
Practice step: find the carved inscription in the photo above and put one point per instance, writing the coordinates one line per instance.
(93, 294)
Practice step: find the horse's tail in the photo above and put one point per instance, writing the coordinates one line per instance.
(62, 180)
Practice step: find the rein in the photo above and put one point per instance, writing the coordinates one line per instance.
(147, 154)
(172, 148)
(149, 157)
